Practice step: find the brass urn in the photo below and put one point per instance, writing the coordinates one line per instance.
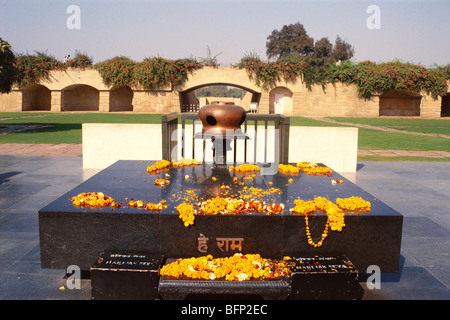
(221, 118)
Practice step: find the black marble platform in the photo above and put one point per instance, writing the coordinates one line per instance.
(71, 235)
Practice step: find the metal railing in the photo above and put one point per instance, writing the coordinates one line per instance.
(268, 138)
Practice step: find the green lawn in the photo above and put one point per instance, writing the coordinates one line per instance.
(370, 139)
(66, 128)
(438, 126)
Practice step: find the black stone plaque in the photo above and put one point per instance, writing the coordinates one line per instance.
(323, 278)
(125, 276)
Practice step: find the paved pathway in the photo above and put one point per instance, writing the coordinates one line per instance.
(57, 150)
(404, 153)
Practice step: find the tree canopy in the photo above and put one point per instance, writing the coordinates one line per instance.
(8, 71)
(293, 40)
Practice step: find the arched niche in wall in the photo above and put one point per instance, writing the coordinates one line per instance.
(80, 97)
(121, 99)
(400, 103)
(36, 97)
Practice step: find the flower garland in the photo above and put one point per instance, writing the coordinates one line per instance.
(186, 213)
(154, 207)
(231, 206)
(225, 206)
(158, 166)
(185, 163)
(334, 212)
(306, 164)
(245, 168)
(238, 267)
(354, 204)
(92, 200)
(248, 193)
(161, 182)
(314, 169)
(287, 169)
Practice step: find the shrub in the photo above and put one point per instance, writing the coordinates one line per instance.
(117, 72)
(267, 74)
(371, 78)
(157, 73)
(80, 61)
(31, 69)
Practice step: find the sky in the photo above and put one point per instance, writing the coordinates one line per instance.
(416, 31)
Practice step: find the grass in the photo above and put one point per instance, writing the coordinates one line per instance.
(381, 140)
(401, 158)
(437, 126)
(369, 139)
(63, 127)
(66, 128)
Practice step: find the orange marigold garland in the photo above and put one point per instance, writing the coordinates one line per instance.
(353, 204)
(231, 206)
(238, 267)
(334, 212)
(92, 200)
(185, 163)
(158, 166)
(245, 168)
(314, 169)
(161, 182)
(154, 207)
(186, 213)
(288, 169)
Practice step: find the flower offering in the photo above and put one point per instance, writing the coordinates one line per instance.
(92, 200)
(238, 267)
(161, 182)
(185, 163)
(245, 168)
(334, 212)
(287, 169)
(186, 213)
(158, 166)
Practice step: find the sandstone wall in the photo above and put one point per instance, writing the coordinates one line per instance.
(84, 90)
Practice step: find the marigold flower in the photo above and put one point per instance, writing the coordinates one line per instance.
(186, 213)
(287, 169)
(334, 212)
(158, 166)
(92, 200)
(161, 182)
(245, 168)
(185, 163)
(235, 268)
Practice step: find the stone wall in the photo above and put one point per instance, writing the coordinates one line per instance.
(292, 98)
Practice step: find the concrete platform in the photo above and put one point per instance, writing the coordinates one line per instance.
(417, 190)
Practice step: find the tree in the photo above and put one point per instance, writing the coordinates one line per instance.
(322, 52)
(8, 71)
(293, 42)
(342, 50)
(290, 39)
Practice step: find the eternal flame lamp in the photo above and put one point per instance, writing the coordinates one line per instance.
(221, 123)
